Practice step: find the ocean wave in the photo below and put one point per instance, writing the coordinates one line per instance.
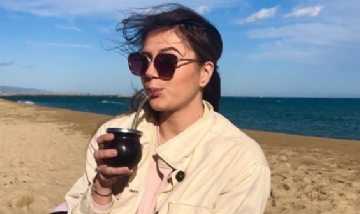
(26, 102)
(112, 102)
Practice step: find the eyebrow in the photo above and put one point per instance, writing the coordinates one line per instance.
(165, 50)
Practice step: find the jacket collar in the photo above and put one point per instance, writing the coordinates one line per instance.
(177, 151)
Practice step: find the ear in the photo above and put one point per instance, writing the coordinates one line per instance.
(206, 73)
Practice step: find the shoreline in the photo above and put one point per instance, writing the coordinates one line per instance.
(6, 94)
(251, 130)
(63, 95)
(43, 154)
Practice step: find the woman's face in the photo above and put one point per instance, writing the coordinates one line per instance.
(184, 88)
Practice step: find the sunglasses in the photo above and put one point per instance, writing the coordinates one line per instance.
(164, 63)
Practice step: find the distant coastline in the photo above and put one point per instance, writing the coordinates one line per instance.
(22, 91)
(62, 94)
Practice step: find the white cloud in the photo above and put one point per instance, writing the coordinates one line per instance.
(305, 11)
(62, 8)
(311, 33)
(110, 8)
(244, 5)
(65, 45)
(329, 40)
(298, 56)
(264, 13)
(203, 9)
(68, 27)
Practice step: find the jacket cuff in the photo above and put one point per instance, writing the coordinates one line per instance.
(88, 206)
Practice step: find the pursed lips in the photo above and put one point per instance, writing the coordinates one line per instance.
(154, 91)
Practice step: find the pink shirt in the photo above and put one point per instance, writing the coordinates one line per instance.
(157, 179)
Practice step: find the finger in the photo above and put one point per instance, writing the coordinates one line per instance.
(99, 162)
(104, 139)
(111, 171)
(105, 153)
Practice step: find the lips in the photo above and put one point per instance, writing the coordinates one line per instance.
(155, 92)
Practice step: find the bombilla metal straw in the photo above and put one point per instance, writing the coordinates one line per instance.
(146, 98)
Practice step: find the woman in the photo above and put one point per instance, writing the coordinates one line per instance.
(193, 159)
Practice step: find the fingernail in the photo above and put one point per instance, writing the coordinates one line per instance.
(113, 152)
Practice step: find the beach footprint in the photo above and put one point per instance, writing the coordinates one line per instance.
(23, 201)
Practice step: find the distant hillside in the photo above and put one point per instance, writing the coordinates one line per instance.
(11, 89)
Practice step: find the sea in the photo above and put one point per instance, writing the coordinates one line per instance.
(337, 118)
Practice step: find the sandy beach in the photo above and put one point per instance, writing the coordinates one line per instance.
(42, 152)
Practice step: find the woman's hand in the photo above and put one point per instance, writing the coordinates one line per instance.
(107, 176)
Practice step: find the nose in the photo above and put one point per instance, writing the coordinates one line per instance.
(150, 72)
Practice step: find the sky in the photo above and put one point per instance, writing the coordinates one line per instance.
(285, 48)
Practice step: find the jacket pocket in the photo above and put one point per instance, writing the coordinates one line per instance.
(176, 208)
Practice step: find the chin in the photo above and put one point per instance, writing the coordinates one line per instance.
(160, 105)
(157, 105)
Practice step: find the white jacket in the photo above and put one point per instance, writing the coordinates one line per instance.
(225, 170)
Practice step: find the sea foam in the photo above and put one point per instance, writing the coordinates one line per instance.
(112, 102)
(26, 102)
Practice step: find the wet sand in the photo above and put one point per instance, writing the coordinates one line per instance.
(42, 152)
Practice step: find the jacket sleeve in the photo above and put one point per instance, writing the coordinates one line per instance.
(78, 199)
(247, 192)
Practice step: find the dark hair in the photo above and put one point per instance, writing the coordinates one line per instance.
(198, 32)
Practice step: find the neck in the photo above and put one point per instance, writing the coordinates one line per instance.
(173, 123)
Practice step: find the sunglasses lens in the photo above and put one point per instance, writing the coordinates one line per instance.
(165, 65)
(137, 63)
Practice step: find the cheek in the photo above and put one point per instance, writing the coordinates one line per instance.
(192, 77)
(185, 80)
